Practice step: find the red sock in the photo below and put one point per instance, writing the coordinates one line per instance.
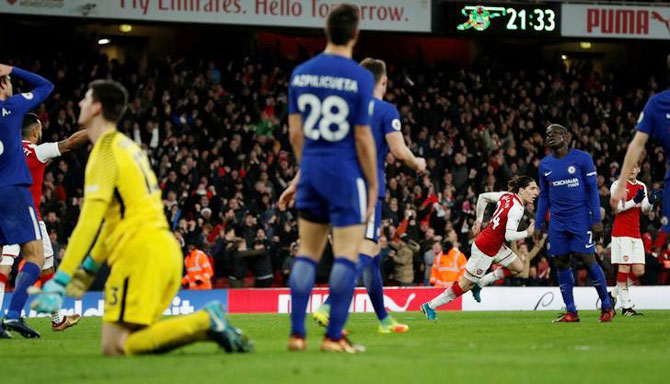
(456, 289)
(3, 279)
(622, 277)
(632, 278)
(45, 278)
(507, 273)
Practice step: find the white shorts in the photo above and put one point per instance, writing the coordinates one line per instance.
(627, 250)
(11, 252)
(479, 262)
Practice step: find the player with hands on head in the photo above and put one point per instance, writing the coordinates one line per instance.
(18, 218)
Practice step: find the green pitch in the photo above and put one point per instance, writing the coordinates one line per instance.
(461, 347)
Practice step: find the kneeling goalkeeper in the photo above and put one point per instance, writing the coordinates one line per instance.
(122, 222)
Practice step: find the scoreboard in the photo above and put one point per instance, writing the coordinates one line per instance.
(471, 18)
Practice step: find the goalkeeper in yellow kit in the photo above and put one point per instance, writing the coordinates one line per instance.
(122, 223)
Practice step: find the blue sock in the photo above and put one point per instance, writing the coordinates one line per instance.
(301, 283)
(567, 281)
(27, 277)
(361, 266)
(373, 282)
(342, 284)
(597, 277)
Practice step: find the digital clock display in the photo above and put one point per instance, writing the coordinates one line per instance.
(506, 19)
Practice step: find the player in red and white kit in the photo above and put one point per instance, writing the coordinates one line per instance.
(489, 245)
(627, 246)
(37, 157)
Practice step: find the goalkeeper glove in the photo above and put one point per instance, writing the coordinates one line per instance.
(639, 196)
(51, 297)
(83, 278)
(655, 195)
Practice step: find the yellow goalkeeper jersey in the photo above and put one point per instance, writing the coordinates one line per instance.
(122, 199)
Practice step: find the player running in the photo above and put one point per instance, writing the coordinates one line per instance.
(18, 215)
(386, 127)
(145, 261)
(37, 157)
(627, 247)
(330, 107)
(653, 122)
(569, 191)
(489, 246)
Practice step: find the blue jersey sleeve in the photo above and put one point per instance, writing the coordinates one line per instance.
(590, 177)
(543, 200)
(391, 120)
(24, 102)
(364, 105)
(645, 122)
(292, 102)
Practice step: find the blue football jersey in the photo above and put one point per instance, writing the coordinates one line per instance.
(568, 189)
(655, 120)
(385, 120)
(13, 166)
(333, 94)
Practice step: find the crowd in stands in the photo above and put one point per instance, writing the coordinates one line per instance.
(216, 134)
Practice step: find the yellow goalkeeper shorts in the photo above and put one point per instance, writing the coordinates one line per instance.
(144, 279)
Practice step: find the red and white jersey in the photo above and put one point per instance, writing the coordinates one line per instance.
(504, 223)
(37, 157)
(627, 215)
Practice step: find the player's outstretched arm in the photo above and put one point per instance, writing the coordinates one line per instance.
(29, 100)
(73, 142)
(401, 152)
(367, 158)
(632, 156)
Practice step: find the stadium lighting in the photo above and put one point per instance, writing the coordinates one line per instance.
(103, 41)
(585, 44)
(564, 57)
(125, 28)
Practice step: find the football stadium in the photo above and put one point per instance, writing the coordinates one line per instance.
(334, 191)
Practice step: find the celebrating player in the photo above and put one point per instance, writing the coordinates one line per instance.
(18, 216)
(627, 247)
(489, 245)
(386, 131)
(37, 157)
(513, 265)
(653, 122)
(330, 105)
(145, 260)
(569, 190)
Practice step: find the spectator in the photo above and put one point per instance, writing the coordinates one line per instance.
(448, 267)
(199, 270)
(404, 259)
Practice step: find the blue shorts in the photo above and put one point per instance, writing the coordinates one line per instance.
(665, 207)
(18, 218)
(373, 227)
(331, 192)
(567, 236)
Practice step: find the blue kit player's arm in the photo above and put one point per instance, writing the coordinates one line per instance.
(396, 142)
(590, 177)
(542, 201)
(364, 141)
(645, 128)
(25, 102)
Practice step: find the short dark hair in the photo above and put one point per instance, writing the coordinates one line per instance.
(377, 67)
(113, 97)
(28, 125)
(342, 24)
(519, 182)
(558, 126)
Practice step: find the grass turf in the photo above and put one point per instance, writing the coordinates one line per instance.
(480, 347)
